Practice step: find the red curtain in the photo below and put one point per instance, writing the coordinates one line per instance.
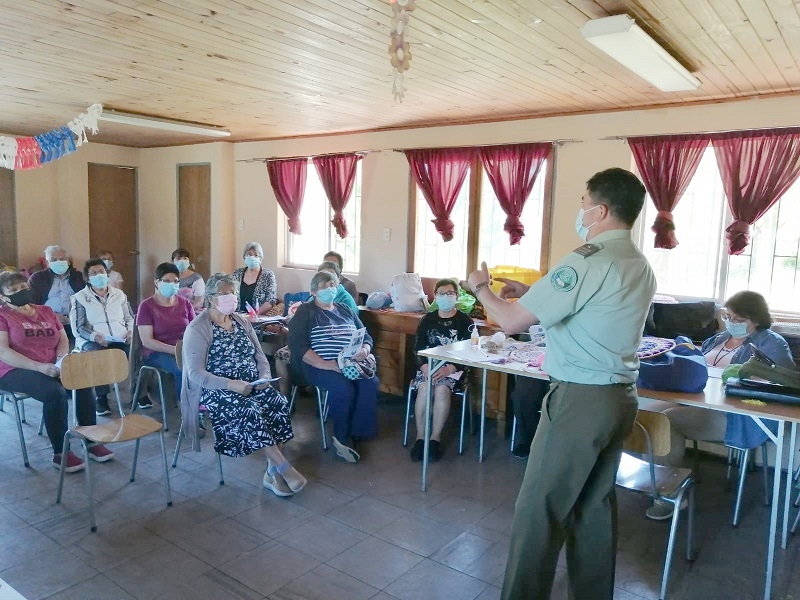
(288, 180)
(667, 165)
(512, 171)
(337, 174)
(440, 173)
(757, 167)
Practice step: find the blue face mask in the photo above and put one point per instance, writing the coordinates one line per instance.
(326, 295)
(737, 330)
(168, 289)
(446, 303)
(109, 264)
(59, 267)
(581, 229)
(100, 281)
(182, 264)
(252, 262)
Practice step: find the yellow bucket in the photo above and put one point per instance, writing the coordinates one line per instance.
(526, 276)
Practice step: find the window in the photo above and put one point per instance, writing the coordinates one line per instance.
(478, 234)
(319, 236)
(700, 266)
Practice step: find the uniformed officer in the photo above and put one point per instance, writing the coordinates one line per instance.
(593, 305)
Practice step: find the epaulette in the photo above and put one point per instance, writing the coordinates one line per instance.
(588, 249)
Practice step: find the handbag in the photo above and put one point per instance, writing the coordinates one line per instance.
(407, 294)
(358, 369)
(760, 365)
(681, 369)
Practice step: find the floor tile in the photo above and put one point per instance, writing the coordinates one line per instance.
(63, 570)
(462, 552)
(212, 585)
(275, 516)
(98, 587)
(322, 537)
(325, 583)
(269, 567)
(418, 534)
(375, 562)
(430, 580)
(367, 514)
(219, 541)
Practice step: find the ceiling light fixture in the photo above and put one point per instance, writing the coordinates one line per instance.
(123, 118)
(627, 43)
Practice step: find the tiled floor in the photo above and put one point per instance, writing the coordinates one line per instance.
(356, 532)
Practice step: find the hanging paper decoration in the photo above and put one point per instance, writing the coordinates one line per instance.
(398, 48)
(31, 152)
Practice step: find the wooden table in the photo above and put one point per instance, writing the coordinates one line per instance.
(713, 397)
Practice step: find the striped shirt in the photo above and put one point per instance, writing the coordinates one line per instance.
(331, 332)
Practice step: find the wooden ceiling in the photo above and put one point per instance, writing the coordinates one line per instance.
(277, 68)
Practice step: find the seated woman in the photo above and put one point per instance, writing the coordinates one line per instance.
(318, 333)
(222, 359)
(443, 326)
(747, 321)
(100, 317)
(282, 355)
(32, 339)
(257, 286)
(161, 321)
(192, 287)
(114, 277)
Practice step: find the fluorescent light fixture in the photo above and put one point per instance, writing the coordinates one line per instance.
(627, 43)
(113, 116)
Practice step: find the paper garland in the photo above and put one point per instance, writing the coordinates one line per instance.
(31, 152)
(398, 48)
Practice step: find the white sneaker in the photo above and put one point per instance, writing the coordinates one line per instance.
(276, 485)
(662, 509)
(345, 452)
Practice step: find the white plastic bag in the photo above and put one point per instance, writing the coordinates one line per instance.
(407, 294)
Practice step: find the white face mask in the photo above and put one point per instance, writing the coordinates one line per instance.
(581, 229)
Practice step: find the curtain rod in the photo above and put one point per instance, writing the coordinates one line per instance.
(554, 142)
(272, 158)
(626, 137)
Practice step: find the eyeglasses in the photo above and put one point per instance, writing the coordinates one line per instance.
(733, 318)
(448, 294)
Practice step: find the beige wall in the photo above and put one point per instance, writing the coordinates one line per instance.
(52, 206)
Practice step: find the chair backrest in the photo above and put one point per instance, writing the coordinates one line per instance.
(651, 425)
(89, 369)
(296, 297)
(179, 354)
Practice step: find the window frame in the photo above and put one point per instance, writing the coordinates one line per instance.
(474, 211)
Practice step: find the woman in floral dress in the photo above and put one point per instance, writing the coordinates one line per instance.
(222, 361)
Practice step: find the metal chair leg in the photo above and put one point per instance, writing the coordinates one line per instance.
(135, 459)
(764, 469)
(166, 468)
(513, 433)
(89, 484)
(743, 461)
(3, 405)
(409, 394)
(135, 391)
(219, 463)
(41, 426)
(159, 378)
(322, 407)
(730, 464)
(464, 402)
(64, 452)
(690, 525)
(178, 447)
(19, 419)
(292, 395)
(676, 515)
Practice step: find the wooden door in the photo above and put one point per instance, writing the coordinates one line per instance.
(113, 221)
(8, 220)
(194, 215)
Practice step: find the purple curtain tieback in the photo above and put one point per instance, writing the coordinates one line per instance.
(340, 224)
(445, 227)
(515, 229)
(294, 225)
(664, 228)
(738, 234)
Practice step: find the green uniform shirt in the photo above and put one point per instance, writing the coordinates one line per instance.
(593, 305)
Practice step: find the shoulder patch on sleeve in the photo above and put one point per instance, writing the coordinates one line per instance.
(588, 249)
(564, 279)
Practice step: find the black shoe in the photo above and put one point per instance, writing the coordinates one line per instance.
(522, 451)
(434, 451)
(201, 421)
(101, 406)
(417, 451)
(145, 403)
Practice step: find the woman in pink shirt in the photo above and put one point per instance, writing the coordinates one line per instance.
(161, 320)
(32, 338)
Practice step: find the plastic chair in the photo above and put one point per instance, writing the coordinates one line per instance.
(18, 399)
(464, 394)
(651, 437)
(104, 367)
(181, 435)
(138, 371)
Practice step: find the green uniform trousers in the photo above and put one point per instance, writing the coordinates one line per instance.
(568, 494)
